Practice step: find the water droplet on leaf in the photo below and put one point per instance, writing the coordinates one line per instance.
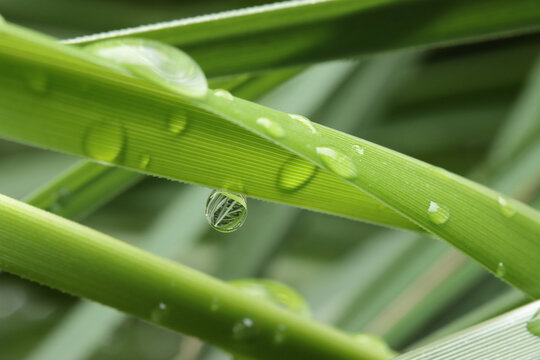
(304, 121)
(280, 335)
(244, 330)
(104, 141)
(438, 214)
(274, 292)
(223, 94)
(177, 122)
(533, 325)
(295, 173)
(161, 63)
(144, 161)
(159, 313)
(226, 211)
(358, 149)
(505, 207)
(271, 128)
(337, 162)
(501, 270)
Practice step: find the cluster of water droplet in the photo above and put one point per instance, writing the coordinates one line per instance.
(274, 293)
(226, 211)
(163, 65)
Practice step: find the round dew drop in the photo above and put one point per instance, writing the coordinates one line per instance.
(358, 149)
(337, 162)
(159, 313)
(438, 214)
(295, 174)
(104, 141)
(163, 64)
(223, 94)
(177, 123)
(304, 121)
(505, 208)
(144, 162)
(271, 128)
(244, 330)
(226, 211)
(274, 292)
(501, 270)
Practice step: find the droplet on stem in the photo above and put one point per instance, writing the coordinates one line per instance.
(438, 214)
(337, 162)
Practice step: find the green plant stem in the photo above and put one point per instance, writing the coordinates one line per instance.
(46, 248)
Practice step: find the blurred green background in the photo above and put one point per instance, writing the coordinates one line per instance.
(444, 106)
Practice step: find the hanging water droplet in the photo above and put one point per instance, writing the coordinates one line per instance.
(271, 128)
(159, 313)
(280, 334)
(223, 94)
(501, 270)
(244, 330)
(144, 162)
(37, 82)
(161, 63)
(358, 149)
(226, 211)
(505, 207)
(177, 122)
(104, 141)
(295, 173)
(337, 162)
(274, 292)
(438, 214)
(375, 344)
(304, 121)
(533, 325)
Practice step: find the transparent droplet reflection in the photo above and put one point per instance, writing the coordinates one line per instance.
(226, 211)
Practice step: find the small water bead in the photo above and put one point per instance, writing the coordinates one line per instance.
(533, 325)
(358, 149)
(159, 313)
(177, 122)
(337, 162)
(275, 293)
(505, 207)
(144, 162)
(59, 200)
(155, 61)
(226, 211)
(295, 173)
(104, 141)
(271, 128)
(501, 270)
(280, 334)
(304, 121)
(438, 214)
(223, 94)
(244, 330)
(375, 344)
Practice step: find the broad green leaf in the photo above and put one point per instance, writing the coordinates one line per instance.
(81, 95)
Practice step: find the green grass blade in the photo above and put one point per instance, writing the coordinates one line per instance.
(51, 250)
(505, 337)
(211, 152)
(298, 32)
(83, 188)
